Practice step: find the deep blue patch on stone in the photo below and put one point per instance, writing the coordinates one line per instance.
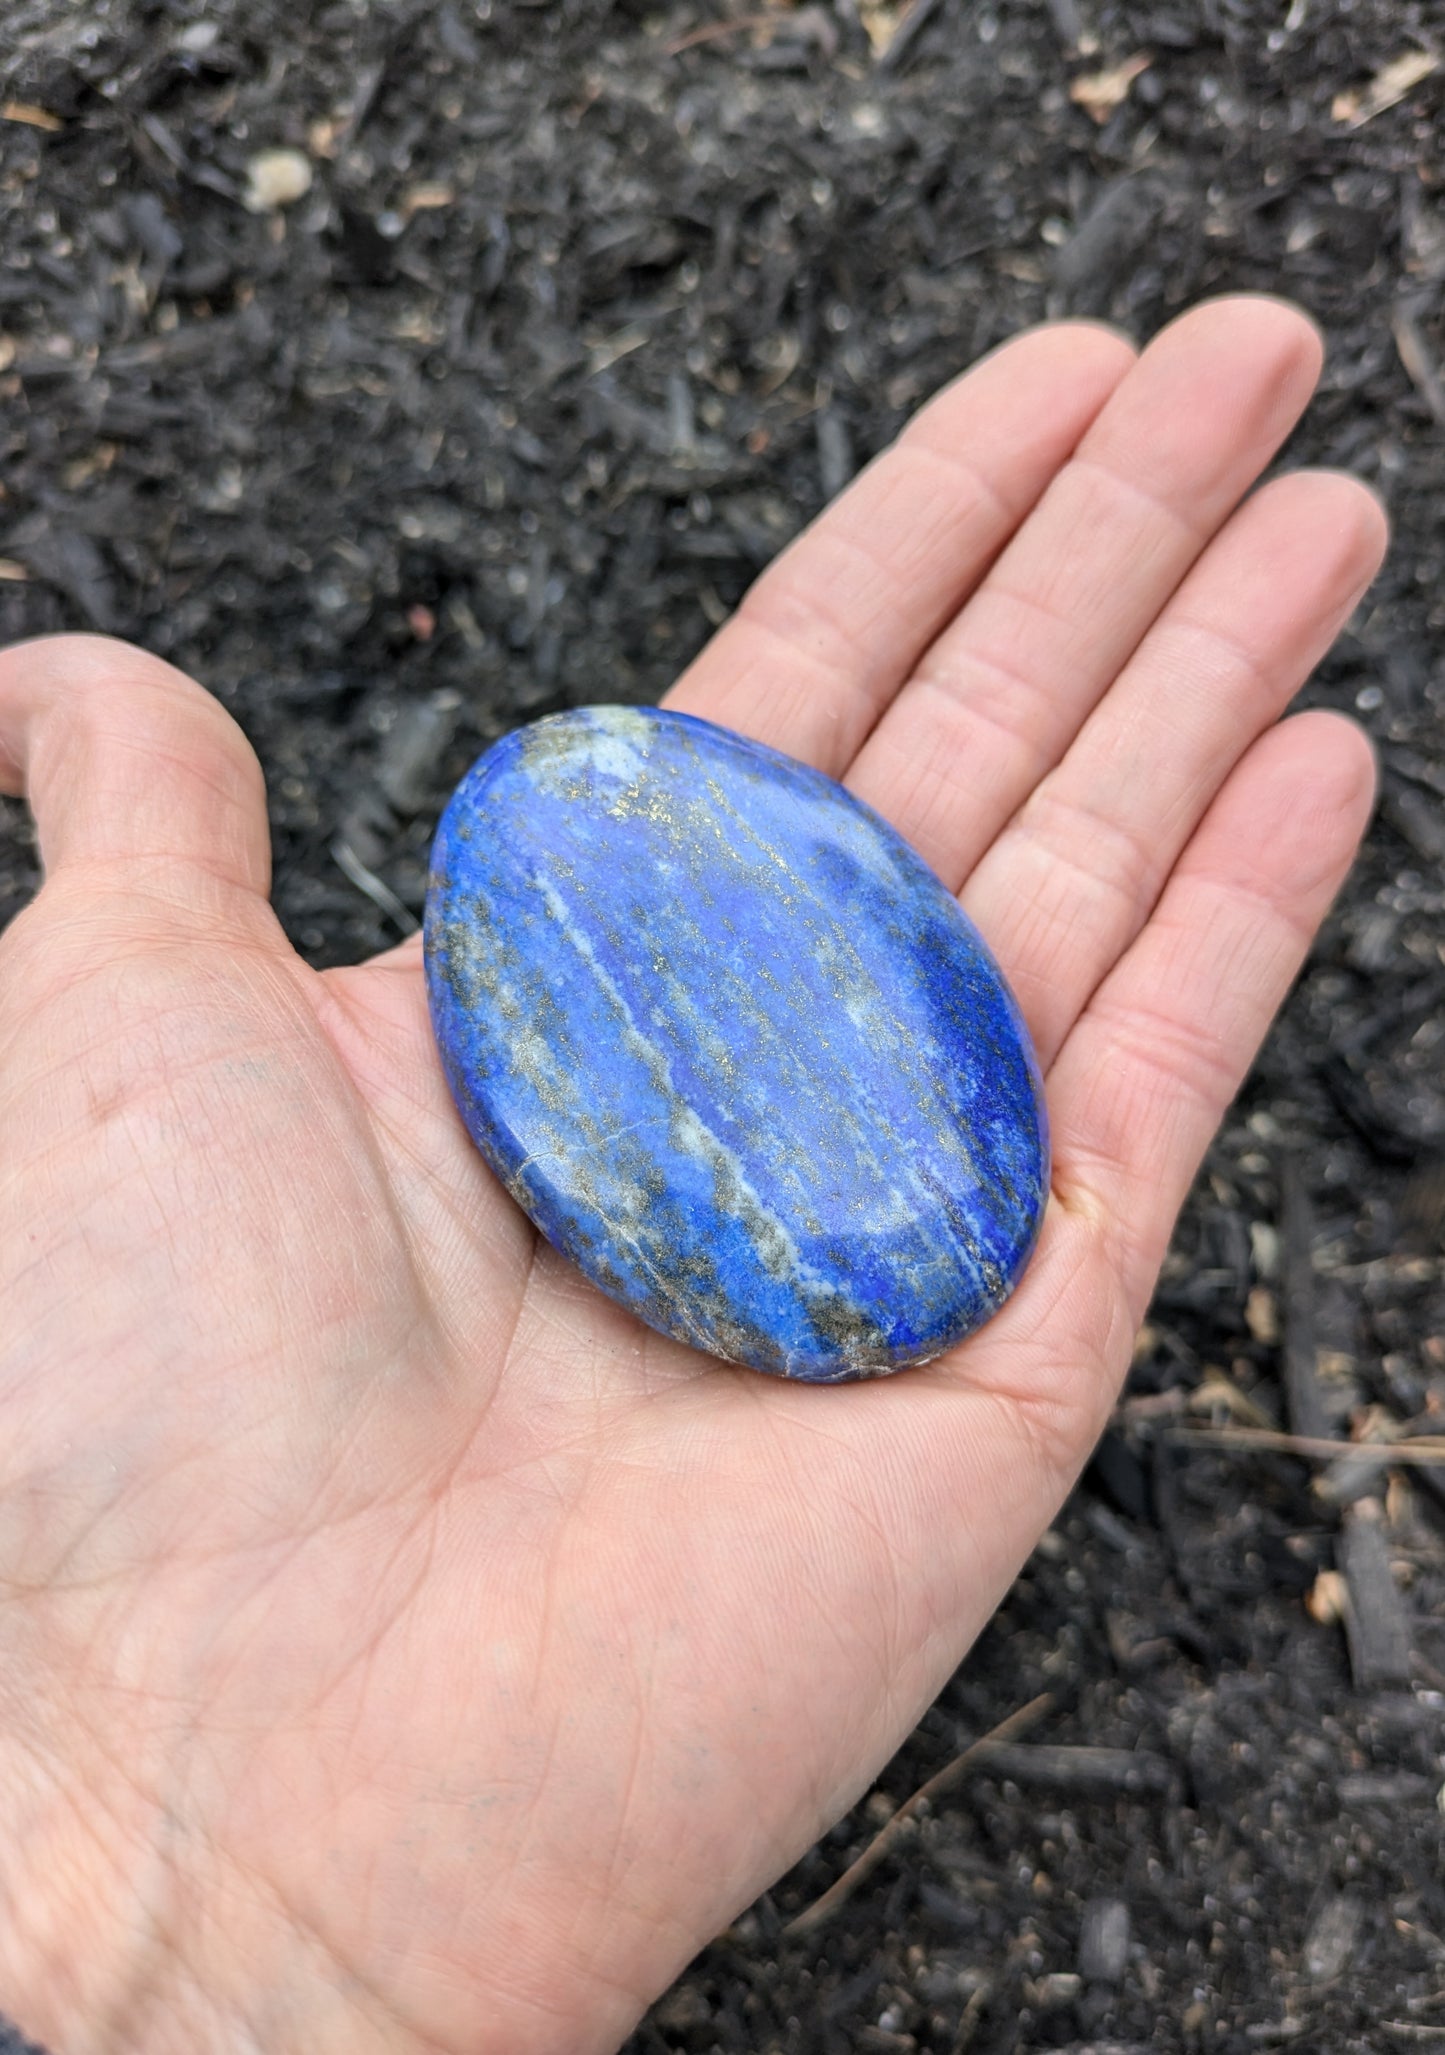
(732, 1045)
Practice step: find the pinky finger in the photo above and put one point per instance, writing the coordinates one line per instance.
(1163, 1046)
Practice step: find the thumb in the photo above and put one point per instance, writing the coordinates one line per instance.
(129, 765)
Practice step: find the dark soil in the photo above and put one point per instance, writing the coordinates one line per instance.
(587, 311)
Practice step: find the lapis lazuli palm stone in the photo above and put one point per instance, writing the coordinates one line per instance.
(732, 1045)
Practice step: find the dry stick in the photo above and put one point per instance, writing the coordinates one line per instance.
(888, 1836)
(1425, 1453)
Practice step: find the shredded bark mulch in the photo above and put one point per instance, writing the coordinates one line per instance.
(584, 311)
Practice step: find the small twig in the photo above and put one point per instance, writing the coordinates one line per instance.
(888, 1836)
(1425, 1453)
(715, 31)
(376, 889)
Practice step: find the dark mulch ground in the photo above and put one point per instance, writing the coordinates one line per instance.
(587, 310)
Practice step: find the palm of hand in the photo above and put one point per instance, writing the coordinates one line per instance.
(422, 1652)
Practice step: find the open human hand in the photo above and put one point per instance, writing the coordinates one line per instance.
(401, 1648)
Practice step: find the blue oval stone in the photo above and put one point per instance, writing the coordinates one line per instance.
(732, 1045)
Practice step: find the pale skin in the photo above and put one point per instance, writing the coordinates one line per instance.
(401, 1648)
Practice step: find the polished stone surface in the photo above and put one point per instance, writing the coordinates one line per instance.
(732, 1045)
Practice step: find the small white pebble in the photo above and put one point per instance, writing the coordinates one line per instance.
(276, 178)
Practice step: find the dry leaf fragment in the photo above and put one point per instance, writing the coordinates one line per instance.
(1386, 89)
(1100, 92)
(33, 117)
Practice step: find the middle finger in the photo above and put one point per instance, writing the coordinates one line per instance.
(996, 700)
(1068, 884)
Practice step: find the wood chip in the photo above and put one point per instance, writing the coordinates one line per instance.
(1387, 1787)
(1218, 1393)
(1419, 363)
(881, 23)
(31, 116)
(1261, 1315)
(1327, 1598)
(1104, 1936)
(12, 573)
(1303, 1398)
(1376, 1625)
(1333, 1938)
(1045, 1767)
(275, 179)
(1360, 1474)
(1386, 89)
(430, 194)
(1100, 93)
